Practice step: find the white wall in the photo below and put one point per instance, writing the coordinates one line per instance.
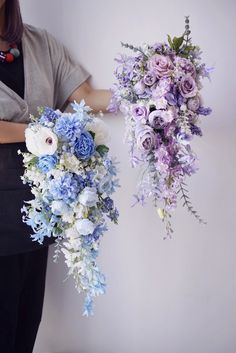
(172, 296)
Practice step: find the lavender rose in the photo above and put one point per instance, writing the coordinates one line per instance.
(145, 137)
(186, 66)
(155, 119)
(193, 103)
(188, 87)
(159, 118)
(160, 65)
(139, 112)
(149, 79)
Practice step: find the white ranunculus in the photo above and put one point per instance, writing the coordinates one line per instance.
(59, 207)
(88, 197)
(100, 129)
(40, 140)
(84, 226)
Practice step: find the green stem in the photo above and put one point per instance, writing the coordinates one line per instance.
(188, 204)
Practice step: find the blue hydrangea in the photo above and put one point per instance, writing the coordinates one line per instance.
(47, 162)
(48, 116)
(65, 188)
(84, 146)
(68, 127)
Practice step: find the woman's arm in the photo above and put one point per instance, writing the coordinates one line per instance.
(97, 99)
(11, 132)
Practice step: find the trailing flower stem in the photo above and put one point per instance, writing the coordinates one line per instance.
(188, 203)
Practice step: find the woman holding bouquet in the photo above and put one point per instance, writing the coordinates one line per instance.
(35, 70)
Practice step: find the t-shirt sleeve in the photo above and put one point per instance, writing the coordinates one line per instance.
(68, 74)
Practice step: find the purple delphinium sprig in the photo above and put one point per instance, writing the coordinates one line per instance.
(158, 90)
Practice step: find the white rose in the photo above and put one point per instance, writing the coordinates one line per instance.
(40, 140)
(71, 232)
(85, 226)
(100, 130)
(88, 197)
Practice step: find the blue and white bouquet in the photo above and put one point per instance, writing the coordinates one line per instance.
(72, 178)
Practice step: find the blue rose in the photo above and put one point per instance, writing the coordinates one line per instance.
(47, 162)
(84, 146)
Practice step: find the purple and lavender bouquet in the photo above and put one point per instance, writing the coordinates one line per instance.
(158, 90)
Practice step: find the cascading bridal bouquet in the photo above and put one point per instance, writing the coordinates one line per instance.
(158, 91)
(72, 178)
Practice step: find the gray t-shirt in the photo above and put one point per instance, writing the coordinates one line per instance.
(51, 76)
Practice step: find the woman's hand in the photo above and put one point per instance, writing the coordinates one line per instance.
(11, 132)
(97, 99)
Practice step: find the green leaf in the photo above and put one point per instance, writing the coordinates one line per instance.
(170, 41)
(177, 42)
(102, 150)
(40, 110)
(92, 133)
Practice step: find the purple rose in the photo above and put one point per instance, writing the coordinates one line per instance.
(156, 119)
(145, 137)
(186, 66)
(193, 103)
(149, 79)
(188, 87)
(159, 118)
(139, 87)
(139, 112)
(160, 65)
